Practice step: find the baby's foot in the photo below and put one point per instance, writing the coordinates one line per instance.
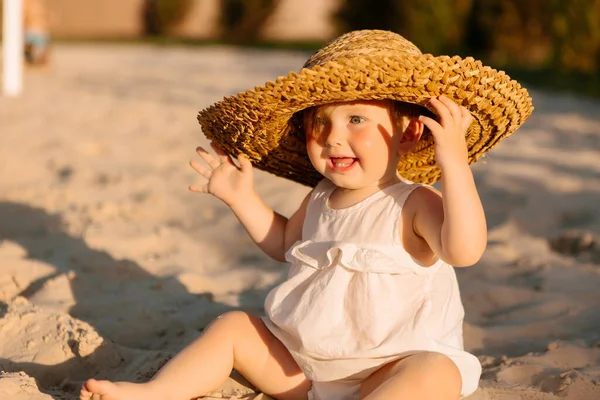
(106, 390)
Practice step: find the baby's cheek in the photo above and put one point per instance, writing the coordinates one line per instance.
(313, 137)
(376, 153)
(312, 143)
(368, 147)
(313, 150)
(363, 139)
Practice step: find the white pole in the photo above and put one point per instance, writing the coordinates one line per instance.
(12, 35)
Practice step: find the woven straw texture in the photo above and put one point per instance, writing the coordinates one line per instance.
(366, 65)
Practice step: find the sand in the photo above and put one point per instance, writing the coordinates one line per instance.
(109, 265)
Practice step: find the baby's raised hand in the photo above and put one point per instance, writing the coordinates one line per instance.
(225, 180)
(449, 134)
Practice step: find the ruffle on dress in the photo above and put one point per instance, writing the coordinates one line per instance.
(369, 259)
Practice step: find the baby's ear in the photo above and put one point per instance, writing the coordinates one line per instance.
(411, 135)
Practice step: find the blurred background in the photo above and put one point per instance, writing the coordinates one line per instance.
(551, 44)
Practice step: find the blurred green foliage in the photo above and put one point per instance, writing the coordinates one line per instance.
(553, 42)
(575, 28)
(435, 25)
(525, 33)
(242, 20)
(161, 15)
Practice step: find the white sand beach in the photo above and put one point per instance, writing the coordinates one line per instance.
(109, 265)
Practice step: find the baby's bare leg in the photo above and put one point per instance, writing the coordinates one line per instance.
(235, 340)
(423, 376)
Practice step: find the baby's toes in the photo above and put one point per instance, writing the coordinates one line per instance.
(84, 394)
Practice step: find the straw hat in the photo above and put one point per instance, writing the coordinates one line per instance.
(366, 65)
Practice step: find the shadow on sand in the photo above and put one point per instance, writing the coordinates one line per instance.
(118, 298)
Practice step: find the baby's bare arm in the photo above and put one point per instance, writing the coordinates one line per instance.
(271, 231)
(234, 185)
(453, 224)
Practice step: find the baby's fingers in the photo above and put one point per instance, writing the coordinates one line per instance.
(223, 156)
(198, 189)
(442, 110)
(245, 164)
(453, 108)
(466, 118)
(205, 172)
(207, 157)
(434, 126)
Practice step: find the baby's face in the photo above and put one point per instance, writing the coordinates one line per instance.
(353, 144)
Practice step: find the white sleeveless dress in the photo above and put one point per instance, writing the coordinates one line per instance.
(355, 300)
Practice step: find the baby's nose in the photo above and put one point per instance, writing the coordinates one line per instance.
(333, 137)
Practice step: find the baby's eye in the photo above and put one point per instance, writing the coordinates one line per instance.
(355, 119)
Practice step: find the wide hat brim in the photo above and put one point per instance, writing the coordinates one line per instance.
(258, 123)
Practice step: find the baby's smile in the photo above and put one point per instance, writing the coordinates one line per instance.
(341, 164)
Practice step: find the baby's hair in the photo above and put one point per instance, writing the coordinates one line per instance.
(403, 109)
